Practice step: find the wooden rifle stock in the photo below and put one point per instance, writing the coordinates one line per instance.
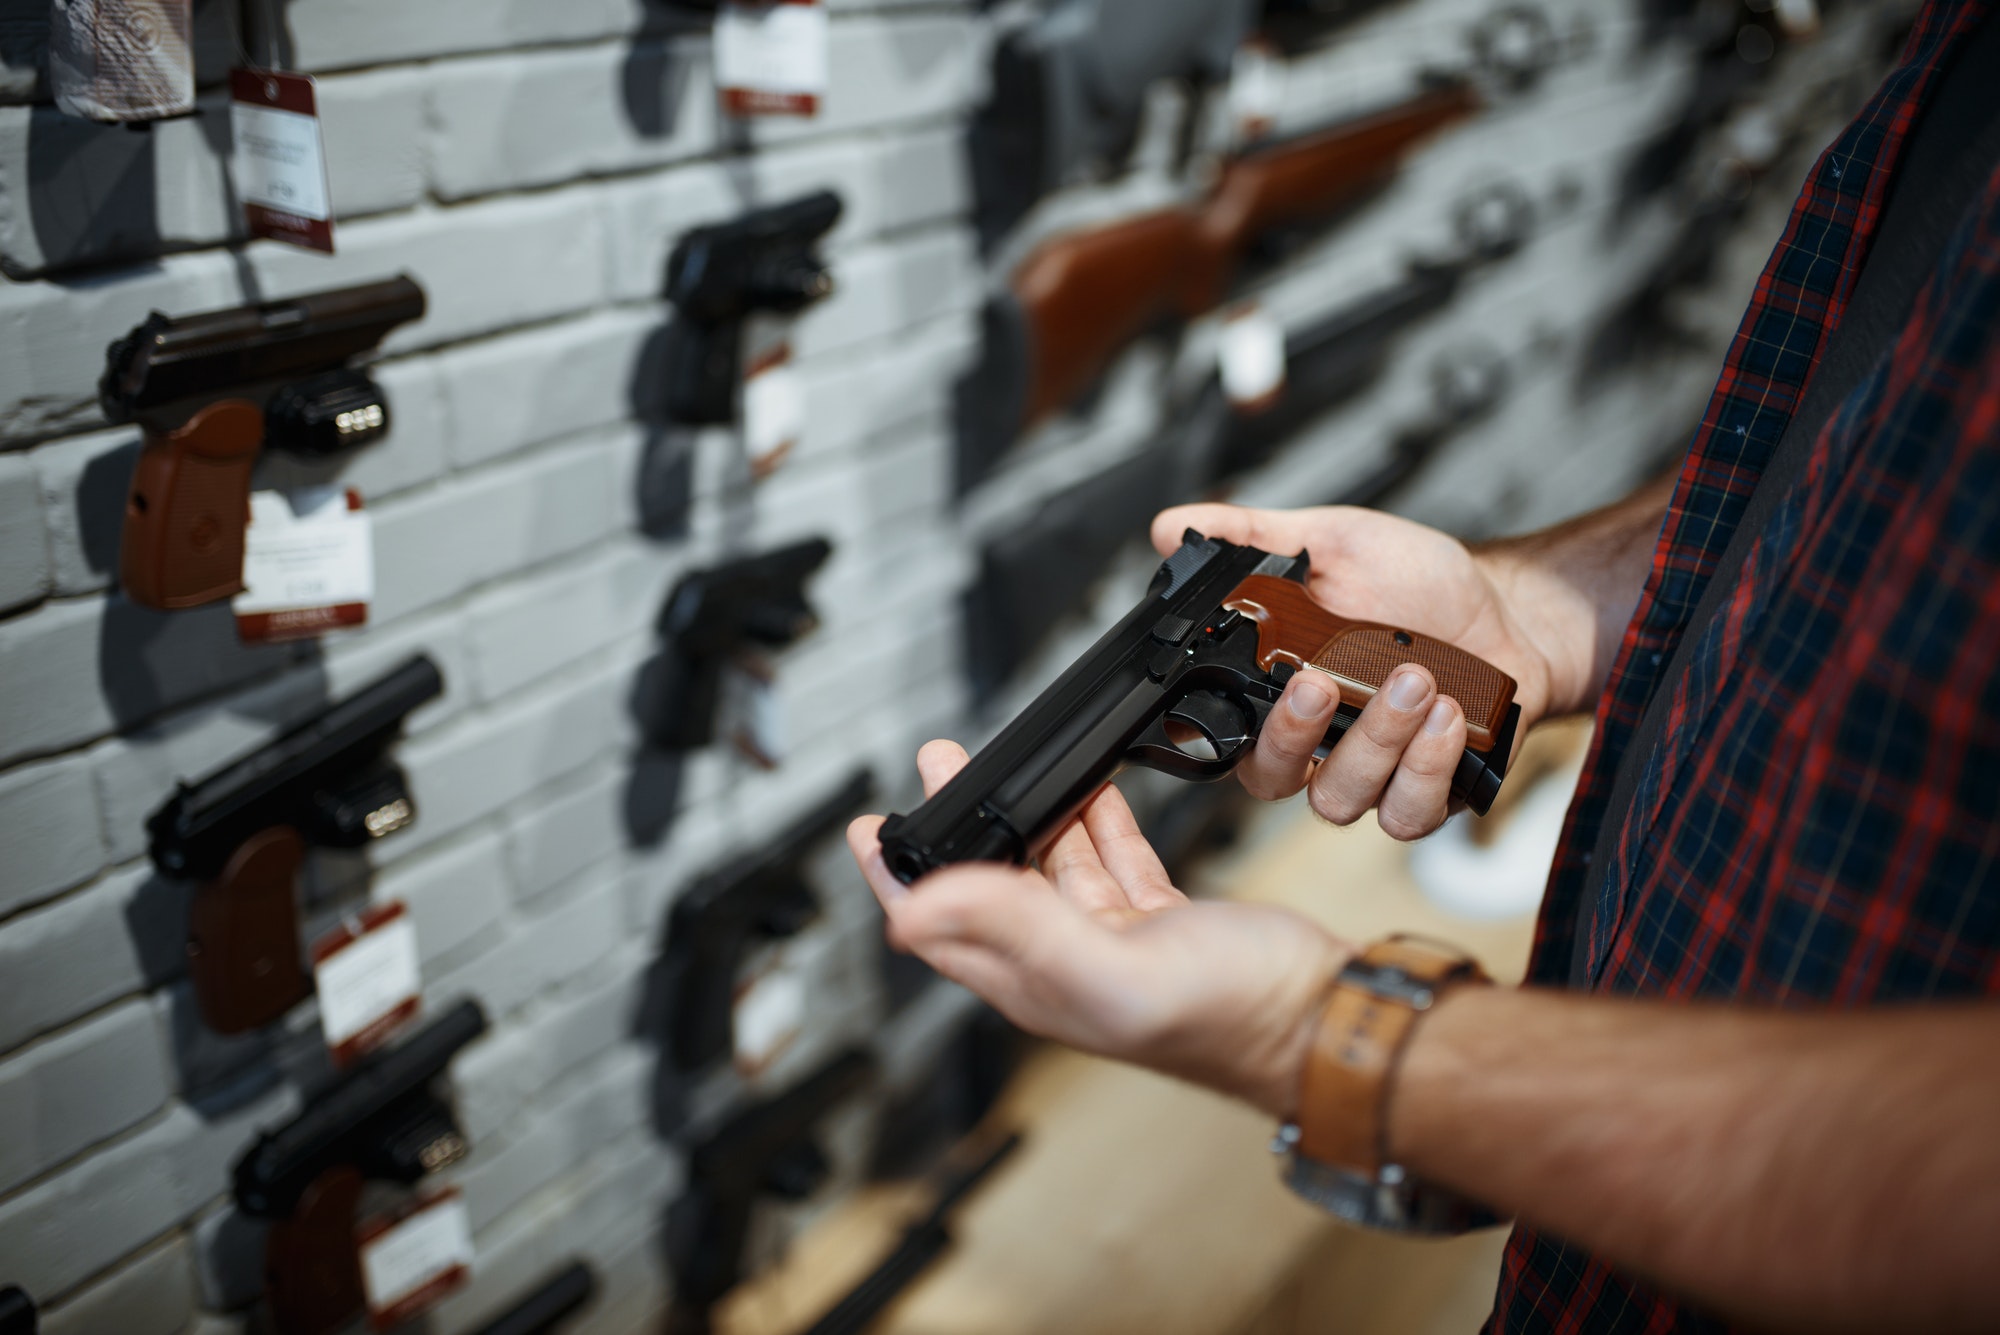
(1086, 295)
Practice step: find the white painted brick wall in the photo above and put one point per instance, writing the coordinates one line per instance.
(532, 165)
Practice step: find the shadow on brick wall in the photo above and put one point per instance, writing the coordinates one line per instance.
(654, 80)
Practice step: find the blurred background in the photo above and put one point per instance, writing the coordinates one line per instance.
(784, 386)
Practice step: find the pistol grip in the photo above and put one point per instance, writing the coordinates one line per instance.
(188, 507)
(312, 1266)
(243, 935)
(704, 371)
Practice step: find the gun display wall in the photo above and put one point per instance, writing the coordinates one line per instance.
(434, 674)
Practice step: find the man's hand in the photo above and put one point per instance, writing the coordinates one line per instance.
(1367, 566)
(1099, 951)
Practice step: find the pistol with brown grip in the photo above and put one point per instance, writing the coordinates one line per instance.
(243, 831)
(1183, 684)
(1082, 297)
(211, 390)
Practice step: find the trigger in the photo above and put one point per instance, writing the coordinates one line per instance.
(1217, 718)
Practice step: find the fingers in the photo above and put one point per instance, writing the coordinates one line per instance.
(1071, 863)
(937, 761)
(1124, 853)
(1418, 798)
(1282, 760)
(1355, 774)
(1281, 531)
(864, 840)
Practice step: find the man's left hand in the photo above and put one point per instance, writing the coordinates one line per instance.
(1099, 951)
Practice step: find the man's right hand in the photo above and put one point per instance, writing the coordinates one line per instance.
(1369, 566)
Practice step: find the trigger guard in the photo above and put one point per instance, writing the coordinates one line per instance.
(1221, 721)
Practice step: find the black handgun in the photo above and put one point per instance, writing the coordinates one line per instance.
(711, 618)
(765, 1149)
(1183, 684)
(765, 260)
(381, 1122)
(546, 1308)
(212, 389)
(243, 831)
(717, 918)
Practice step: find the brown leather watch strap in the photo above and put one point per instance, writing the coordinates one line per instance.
(1343, 1091)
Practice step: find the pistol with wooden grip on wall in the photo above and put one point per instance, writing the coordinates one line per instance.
(1082, 297)
(1183, 684)
(242, 833)
(382, 1122)
(211, 391)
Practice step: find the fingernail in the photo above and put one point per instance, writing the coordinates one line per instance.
(1309, 698)
(1408, 690)
(1439, 719)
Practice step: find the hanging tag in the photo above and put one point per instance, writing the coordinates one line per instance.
(756, 716)
(308, 565)
(1256, 90)
(279, 162)
(770, 1013)
(120, 60)
(774, 410)
(771, 58)
(368, 979)
(1250, 358)
(412, 1260)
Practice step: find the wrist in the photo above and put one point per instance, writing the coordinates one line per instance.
(1274, 1087)
(1555, 634)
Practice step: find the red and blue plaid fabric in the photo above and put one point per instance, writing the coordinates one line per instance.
(1819, 823)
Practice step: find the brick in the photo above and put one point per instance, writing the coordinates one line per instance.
(528, 628)
(540, 953)
(442, 542)
(471, 769)
(75, 1224)
(887, 288)
(220, 1072)
(563, 829)
(151, 1295)
(532, 1059)
(83, 482)
(110, 940)
(80, 1087)
(456, 894)
(50, 836)
(340, 34)
(521, 389)
(374, 126)
(77, 669)
(229, 1257)
(90, 193)
(24, 550)
(608, 1103)
(525, 119)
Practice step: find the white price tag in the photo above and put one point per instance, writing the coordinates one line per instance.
(368, 978)
(1256, 90)
(756, 716)
(770, 1013)
(1250, 357)
(771, 58)
(410, 1262)
(774, 410)
(278, 160)
(308, 564)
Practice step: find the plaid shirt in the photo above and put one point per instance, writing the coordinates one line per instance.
(1818, 821)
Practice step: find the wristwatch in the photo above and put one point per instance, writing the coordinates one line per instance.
(1336, 1147)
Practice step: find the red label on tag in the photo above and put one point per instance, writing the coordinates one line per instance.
(771, 56)
(279, 161)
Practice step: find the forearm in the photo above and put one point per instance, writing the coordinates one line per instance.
(1802, 1171)
(1573, 588)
